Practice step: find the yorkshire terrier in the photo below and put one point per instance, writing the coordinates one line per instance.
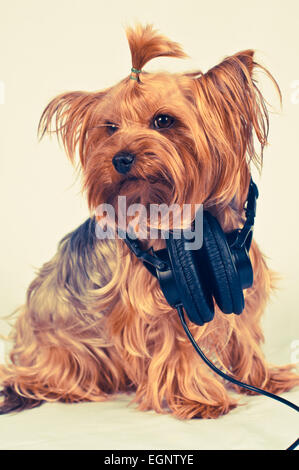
(95, 322)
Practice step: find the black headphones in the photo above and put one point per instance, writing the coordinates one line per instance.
(219, 270)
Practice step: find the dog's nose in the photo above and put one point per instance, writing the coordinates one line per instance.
(122, 162)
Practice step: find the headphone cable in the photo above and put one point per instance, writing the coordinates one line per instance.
(229, 377)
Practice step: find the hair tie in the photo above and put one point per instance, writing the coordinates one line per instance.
(136, 73)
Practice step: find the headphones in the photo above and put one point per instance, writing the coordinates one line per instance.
(191, 280)
(220, 270)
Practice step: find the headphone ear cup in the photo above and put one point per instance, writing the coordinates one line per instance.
(224, 277)
(194, 290)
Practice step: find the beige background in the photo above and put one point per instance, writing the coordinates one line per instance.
(61, 45)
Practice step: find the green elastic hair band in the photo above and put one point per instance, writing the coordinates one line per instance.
(135, 71)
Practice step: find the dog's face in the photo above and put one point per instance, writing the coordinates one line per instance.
(165, 138)
(142, 144)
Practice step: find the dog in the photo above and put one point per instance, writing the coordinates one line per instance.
(95, 322)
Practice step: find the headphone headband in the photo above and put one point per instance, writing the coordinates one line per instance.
(250, 212)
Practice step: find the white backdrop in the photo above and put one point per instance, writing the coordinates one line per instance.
(50, 47)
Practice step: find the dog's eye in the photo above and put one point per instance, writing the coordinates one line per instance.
(163, 121)
(111, 128)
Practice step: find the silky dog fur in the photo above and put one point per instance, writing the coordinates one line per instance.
(95, 322)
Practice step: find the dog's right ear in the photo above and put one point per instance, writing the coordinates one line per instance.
(69, 116)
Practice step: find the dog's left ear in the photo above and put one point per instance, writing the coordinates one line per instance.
(232, 106)
(231, 112)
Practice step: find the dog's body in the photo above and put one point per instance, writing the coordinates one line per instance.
(95, 322)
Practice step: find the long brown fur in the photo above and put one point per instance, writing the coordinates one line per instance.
(95, 322)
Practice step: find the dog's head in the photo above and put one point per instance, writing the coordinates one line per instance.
(162, 137)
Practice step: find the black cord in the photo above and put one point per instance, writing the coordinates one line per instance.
(229, 377)
(294, 445)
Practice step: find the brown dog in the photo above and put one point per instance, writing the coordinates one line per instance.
(95, 322)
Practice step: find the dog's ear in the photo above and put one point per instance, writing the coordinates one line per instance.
(232, 106)
(233, 122)
(69, 116)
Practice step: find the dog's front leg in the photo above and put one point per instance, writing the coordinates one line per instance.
(174, 379)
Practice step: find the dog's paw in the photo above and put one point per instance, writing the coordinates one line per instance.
(194, 410)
